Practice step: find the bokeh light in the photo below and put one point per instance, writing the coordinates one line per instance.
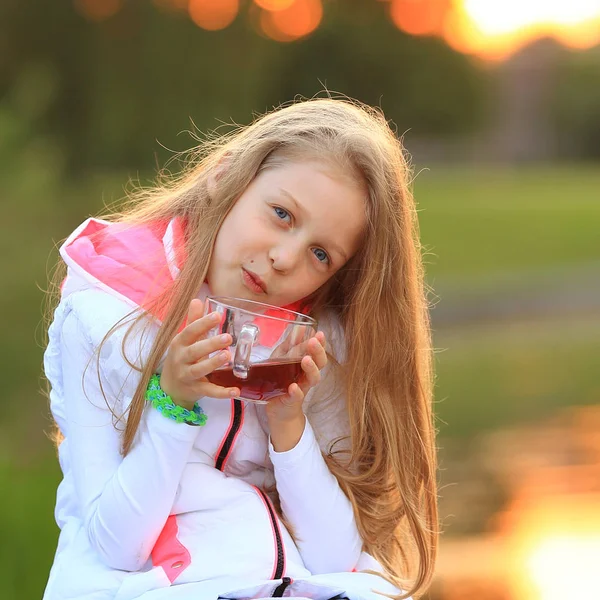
(213, 14)
(487, 28)
(300, 19)
(419, 17)
(554, 536)
(497, 29)
(566, 567)
(493, 18)
(274, 5)
(98, 10)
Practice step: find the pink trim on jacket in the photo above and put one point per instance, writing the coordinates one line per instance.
(276, 532)
(229, 428)
(169, 553)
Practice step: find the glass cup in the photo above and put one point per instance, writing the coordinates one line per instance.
(268, 345)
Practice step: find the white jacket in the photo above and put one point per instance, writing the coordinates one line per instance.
(185, 513)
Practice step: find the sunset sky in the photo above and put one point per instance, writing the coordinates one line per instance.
(495, 28)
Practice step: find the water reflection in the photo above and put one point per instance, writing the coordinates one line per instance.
(533, 494)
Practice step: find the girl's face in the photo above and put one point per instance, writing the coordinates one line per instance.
(291, 230)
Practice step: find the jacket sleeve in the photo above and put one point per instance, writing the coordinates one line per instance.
(124, 502)
(312, 501)
(320, 514)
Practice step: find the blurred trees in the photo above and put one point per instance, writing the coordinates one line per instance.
(420, 83)
(107, 92)
(576, 104)
(78, 95)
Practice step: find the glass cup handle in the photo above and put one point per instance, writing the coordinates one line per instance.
(243, 349)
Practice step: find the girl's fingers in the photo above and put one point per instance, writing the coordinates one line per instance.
(292, 346)
(206, 366)
(317, 352)
(297, 335)
(295, 395)
(203, 348)
(312, 364)
(211, 390)
(285, 350)
(280, 351)
(196, 311)
(322, 339)
(312, 374)
(198, 329)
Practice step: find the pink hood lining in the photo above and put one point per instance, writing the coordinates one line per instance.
(135, 261)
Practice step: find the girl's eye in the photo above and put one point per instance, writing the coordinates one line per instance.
(282, 213)
(321, 255)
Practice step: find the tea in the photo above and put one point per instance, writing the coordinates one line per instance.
(265, 379)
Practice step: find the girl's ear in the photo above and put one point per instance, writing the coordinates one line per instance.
(218, 172)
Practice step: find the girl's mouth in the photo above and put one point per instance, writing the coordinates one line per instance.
(254, 282)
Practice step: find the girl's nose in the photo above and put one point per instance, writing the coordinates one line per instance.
(284, 257)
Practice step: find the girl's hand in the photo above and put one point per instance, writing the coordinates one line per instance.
(187, 363)
(284, 413)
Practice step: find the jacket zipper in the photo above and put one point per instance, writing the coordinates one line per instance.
(278, 591)
(280, 556)
(224, 451)
(238, 414)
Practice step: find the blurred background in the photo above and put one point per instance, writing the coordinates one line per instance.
(499, 105)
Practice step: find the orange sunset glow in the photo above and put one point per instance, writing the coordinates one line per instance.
(495, 29)
(492, 29)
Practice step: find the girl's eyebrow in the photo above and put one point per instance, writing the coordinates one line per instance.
(301, 210)
(292, 199)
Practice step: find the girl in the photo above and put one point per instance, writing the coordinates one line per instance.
(329, 492)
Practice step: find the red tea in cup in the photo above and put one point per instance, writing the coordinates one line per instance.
(265, 380)
(267, 345)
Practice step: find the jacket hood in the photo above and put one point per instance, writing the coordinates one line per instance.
(133, 262)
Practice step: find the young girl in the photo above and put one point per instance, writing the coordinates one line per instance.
(326, 492)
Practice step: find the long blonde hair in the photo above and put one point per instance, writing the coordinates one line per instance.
(379, 297)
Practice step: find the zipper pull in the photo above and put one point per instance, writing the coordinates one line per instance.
(278, 591)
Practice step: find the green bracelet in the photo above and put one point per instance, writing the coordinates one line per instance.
(156, 396)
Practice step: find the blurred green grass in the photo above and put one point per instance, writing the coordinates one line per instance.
(476, 223)
(482, 227)
(499, 375)
(479, 222)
